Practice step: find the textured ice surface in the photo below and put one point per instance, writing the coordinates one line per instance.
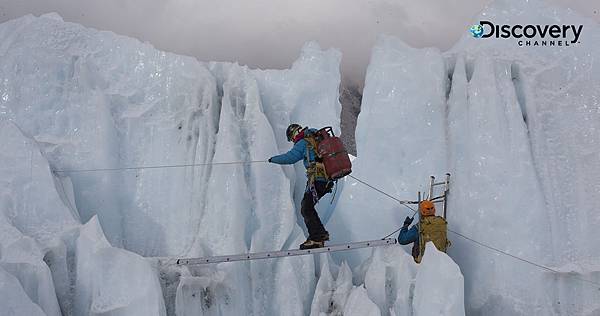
(14, 300)
(447, 297)
(517, 127)
(531, 166)
(37, 246)
(94, 100)
(360, 304)
(112, 281)
(33, 219)
(331, 294)
(400, 140)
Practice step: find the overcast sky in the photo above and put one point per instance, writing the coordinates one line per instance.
(270, 33)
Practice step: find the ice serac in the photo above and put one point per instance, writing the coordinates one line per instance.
(112, 281)
(400, 140)
(359, 304)
(389, 279)
(33, 220)
(249, 208)
(98, 100)
(536, 143)
(438, 286)
(29, 194)
(495, 176)
(13, 299)
(95, 100)
(306, 94)
(331, 294)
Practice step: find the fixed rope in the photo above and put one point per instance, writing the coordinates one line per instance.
(401, 202)
(520, 259)
(160, 166)
(482, 244)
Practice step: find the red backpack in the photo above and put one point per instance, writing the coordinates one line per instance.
(332, 153)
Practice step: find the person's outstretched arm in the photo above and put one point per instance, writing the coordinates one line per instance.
(408, 236)
(292, 156)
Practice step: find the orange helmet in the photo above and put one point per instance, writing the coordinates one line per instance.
(427, 208)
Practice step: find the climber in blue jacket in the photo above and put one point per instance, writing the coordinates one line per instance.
(407, 236)
(316, 187)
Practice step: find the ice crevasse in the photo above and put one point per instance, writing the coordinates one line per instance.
(499, 118)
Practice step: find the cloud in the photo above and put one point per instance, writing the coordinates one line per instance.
(270, 33)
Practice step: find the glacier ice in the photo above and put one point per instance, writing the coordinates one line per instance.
(447, 297)
(400, 142)
(40, 246)
(110, 101)
(112, 281)
(516, 126)
(14, 299)
(331, 294)
(544, 108)
(360, 304)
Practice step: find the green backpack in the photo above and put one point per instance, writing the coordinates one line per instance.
(432, 228)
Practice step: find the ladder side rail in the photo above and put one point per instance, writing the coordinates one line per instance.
(286, 253)
(446, 192)
(430, 193)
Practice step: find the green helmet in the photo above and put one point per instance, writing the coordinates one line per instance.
(292, 131)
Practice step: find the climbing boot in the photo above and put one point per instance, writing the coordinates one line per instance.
(322, 237)
(311, 244)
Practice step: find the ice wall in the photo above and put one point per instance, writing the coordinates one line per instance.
(33, 220)
(14, 300)
(97, 100)
(105, 101)
(45, 266)
(524, 121)
(112, 281)
(519, 125)
(400, 140)
(307, 94)
(446, 297)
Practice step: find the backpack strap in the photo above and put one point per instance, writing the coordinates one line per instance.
(315, 168)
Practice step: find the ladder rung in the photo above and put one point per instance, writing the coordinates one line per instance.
(287, 253)
(439, 183)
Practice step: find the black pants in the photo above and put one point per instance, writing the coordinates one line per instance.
(315, 228)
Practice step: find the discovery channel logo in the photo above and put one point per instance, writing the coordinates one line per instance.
(545, 35)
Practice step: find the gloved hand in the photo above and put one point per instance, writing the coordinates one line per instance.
(408, 221)
(270, 159)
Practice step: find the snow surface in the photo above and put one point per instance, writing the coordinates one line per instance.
(516, 126)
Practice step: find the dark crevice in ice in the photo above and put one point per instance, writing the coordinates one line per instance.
(350, 98)
(519, 89)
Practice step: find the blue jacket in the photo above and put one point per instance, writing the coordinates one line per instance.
(297, 153)
(407, 236)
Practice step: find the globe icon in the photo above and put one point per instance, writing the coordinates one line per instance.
(476, 30)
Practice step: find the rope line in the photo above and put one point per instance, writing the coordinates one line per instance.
(519, 258)
(159, 166)
(402, 202)
(477, 242)
(397, 230)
